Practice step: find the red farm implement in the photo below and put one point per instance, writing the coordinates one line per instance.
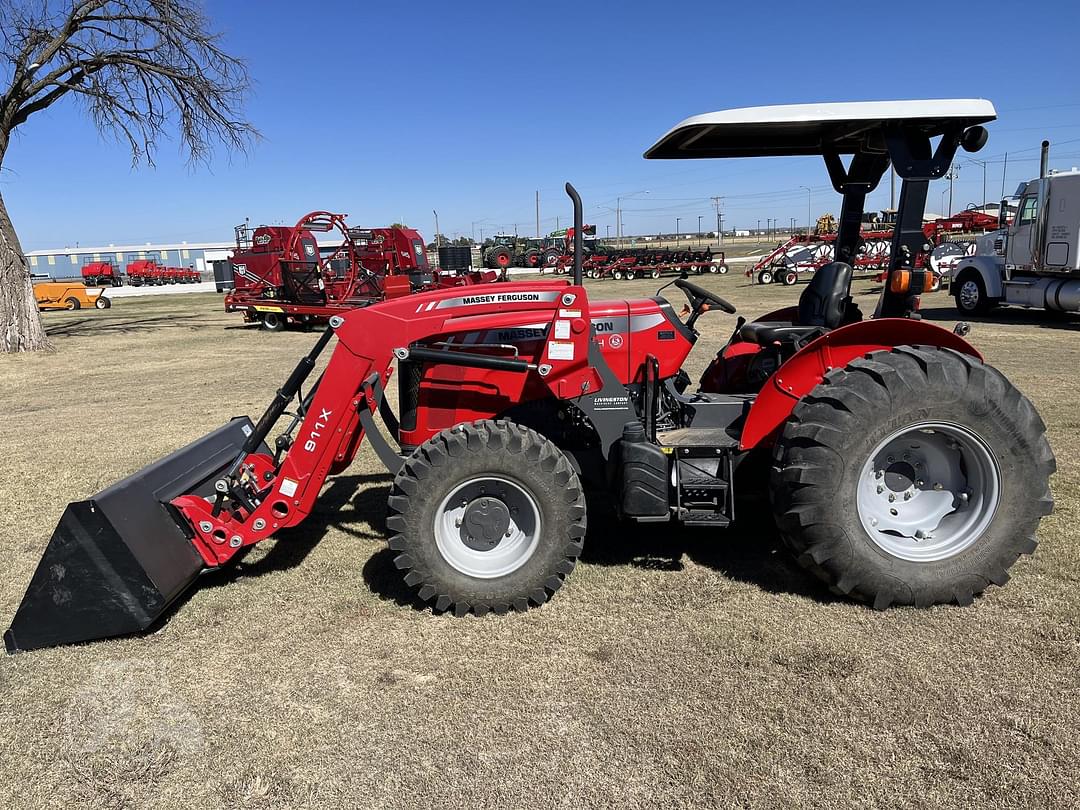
(102, 274)
(145, 273)
(283, 275)
(900, 468)
(947, 240)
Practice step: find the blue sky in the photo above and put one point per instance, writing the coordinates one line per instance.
(387, 111)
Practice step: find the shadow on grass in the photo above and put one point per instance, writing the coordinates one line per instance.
(750, 551)
(95, 326)
(1018, 316)
(348, 500)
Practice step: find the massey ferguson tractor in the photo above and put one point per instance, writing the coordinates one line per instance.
(901, 468)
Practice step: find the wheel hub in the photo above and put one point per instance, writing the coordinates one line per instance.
(969, 294)
(485, 523)
(928, 491)
(487, 527)
(899, 476)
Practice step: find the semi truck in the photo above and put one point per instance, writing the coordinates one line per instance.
(1032, 261)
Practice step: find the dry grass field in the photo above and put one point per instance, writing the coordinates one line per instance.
(677, 667)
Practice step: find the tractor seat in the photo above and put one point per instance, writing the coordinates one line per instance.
(822, 307)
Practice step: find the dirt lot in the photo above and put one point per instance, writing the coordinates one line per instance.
(677, 668)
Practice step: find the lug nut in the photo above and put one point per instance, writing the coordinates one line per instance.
(457, 523)
(235, 541)
(259, 524)
(907, 496)
(880, 489)
(938, 487)
(891, 497)
(206, 526)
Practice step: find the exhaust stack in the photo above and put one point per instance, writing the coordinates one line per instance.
(1044, 160)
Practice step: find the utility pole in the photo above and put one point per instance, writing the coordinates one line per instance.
(719, 221)
(677, 229)
(809, 215)
(436, 213)
(1004, 166)
(538, 214)
(954, 172)
(699, 226)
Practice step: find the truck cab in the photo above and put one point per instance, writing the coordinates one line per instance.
(1034, 261)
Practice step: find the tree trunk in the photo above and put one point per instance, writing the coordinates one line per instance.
(20, 323)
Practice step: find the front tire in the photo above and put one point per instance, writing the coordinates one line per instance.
(486, 516)
(102, 302)
(915, 476)
(72, 304)
(969, 293)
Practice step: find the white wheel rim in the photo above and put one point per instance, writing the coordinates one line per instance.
(928, 491)
(456, 522)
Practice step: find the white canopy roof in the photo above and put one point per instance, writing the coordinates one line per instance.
(806, 129)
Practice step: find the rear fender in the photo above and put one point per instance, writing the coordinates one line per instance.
(835, 349)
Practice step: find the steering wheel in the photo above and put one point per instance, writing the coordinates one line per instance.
(699, 295)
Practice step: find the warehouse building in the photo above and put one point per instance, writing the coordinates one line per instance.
(68, 262)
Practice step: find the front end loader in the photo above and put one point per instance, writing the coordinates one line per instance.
(901, 468)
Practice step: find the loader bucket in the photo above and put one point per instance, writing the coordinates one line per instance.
(118, 560)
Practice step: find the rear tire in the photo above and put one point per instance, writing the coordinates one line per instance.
(486, 516)
(72, 304)
(790, 278)
(923, 423)
(102, 302)
(765, 277)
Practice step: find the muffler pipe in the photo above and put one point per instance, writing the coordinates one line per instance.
(579, 218)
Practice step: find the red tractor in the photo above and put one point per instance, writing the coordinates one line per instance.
(100, 274)
(901, 468)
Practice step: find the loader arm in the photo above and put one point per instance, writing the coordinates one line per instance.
(262, 497)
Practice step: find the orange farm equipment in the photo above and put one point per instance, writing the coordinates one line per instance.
(68, 295)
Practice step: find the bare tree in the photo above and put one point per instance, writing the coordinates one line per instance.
(141, 69)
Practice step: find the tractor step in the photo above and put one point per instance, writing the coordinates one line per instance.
(694, 441)
(701, 518)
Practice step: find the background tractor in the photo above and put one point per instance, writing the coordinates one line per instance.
(509, 250)
(901, 469)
